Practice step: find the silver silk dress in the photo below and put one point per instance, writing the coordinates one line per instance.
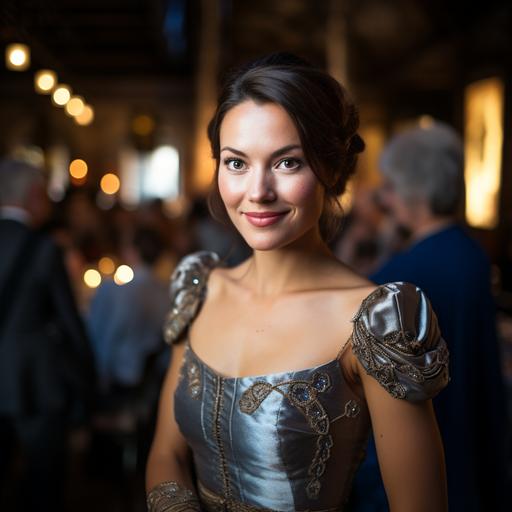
(292, 441)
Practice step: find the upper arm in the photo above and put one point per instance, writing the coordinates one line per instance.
(402, 362)
(409, 449)
(168, 440)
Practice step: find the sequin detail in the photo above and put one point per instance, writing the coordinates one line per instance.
(194, 379)
(304, 396)
(188, 290)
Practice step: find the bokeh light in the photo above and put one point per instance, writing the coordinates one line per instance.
(124, 274)
(110, 183)
(44, 81)
(86, 117)
(61, 95)
(17, 57)
(92, 278)
(106, 265)
(75, 106)
(78, 169)
(143, 125)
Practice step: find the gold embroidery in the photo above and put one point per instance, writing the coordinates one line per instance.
(212, 502)
(171, 497)
(304, 396)
(217, 408)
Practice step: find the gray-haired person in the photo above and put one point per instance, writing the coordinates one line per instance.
(46, 365)
(423, 189)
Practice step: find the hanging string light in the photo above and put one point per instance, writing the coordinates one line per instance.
(17, 57)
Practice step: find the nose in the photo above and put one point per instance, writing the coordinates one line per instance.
(262, 186)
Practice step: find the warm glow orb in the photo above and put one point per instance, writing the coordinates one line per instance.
(78, 169)
(92, 278)
(425, 121)
(106, 265)
(124, 274)
(44, 81)
(75, 106)
(143, 125)
(110, 183)
(86, 117)
(61, 95)
(17, 57)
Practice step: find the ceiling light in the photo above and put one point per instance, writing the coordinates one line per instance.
(86, 117)
(44, 81)
(61, 95)
(75, 106)
(17, 57)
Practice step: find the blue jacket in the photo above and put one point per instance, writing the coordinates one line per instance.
(454, 272)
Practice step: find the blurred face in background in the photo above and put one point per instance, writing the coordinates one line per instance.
(271, 194)
(403, 211)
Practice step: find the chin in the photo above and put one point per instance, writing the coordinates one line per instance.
(270, 241)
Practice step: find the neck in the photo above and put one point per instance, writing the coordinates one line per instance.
(15, 212)
(429, 225)
(287, 269)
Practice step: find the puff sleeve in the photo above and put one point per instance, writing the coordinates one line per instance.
(187, 292)
(397, 340)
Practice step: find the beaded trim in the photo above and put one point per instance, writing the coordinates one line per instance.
(172, 497)
(395, 352)
(303, 395)
(217, 408)
(188, 291)
(194, 379)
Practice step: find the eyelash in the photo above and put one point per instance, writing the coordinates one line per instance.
(297, 162)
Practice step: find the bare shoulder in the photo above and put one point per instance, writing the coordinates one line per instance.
(349, 292)
(222, 279)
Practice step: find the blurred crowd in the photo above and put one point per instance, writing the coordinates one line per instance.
(82, 361)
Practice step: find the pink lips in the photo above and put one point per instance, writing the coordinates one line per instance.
(262, 219)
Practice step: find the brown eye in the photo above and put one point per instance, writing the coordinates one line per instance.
(289, 163)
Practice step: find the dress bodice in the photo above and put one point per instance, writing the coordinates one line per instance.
(267, 440)
(292, 441)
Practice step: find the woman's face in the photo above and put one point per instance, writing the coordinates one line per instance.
(271, 194)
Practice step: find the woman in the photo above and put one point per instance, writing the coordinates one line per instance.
(239, 427)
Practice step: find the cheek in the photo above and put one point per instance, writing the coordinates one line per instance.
(230, 190)
(305, 192)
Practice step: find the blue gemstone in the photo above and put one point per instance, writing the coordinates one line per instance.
(301, 394)
(321, 382)
(316, 413)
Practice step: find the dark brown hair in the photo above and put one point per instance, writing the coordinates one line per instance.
(325, 117)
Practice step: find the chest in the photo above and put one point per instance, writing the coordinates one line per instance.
(243, 338)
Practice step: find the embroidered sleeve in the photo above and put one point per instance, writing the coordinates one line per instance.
(397, 340)
(187, 291)
(172, 497)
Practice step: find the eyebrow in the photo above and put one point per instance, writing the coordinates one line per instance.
(275, 154)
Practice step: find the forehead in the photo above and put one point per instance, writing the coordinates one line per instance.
(258, 124)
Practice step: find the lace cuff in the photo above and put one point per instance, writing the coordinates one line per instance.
(397, 340)
(188, 289)
(172, 497)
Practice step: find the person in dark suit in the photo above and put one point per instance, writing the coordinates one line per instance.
(46, 364)
(423, 189)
